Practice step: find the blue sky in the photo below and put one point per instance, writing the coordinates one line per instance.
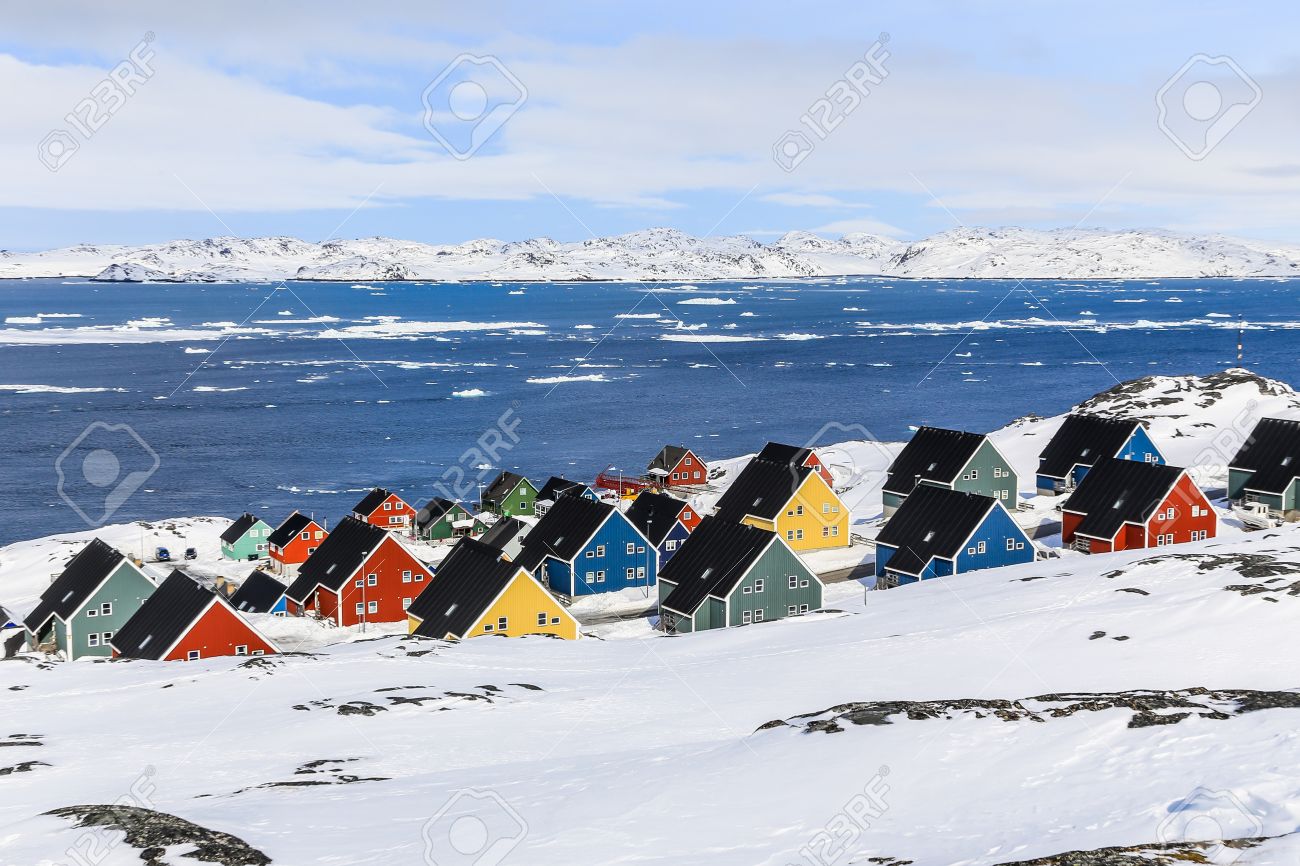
(280, 120)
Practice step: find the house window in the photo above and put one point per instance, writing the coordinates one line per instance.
(640, 572)
(640, 548)
(193, 655)
(93, 639)
(803, 608)
(798, 535)
(306, 536)
(600, 550)
(406, 604)
(359, 582)
(803, 584)
(1011, 544)
(697, 473)
(590, 576)
(394, 519)
(674, 476)
(631, 573)
(1020, 545)
(555, 620)
(970, 551)
(108, 636)
(591, 554)
(798, 510)
(789, 535)
(487, 626)
(361, 608)
(541, 618)
(974, 475)
(502, 623)
(758, 585)
(631, 548)
(794, 582)
(747, 590)
(372, 607)
(406, 577)
(826, 532)
(241, 650)
(670, 544)
(261, 548)
(310, 551)
(687, 461)
(388, 506)
(94, 611)
(106, 609)
(320, 534)
(826, 508)
(686, 515)
(600, 576)
(419, 578)
(259, 652)
(758, 615)
(791, 610)
(372, 580)
(523, 503)
(746, 617)
(835, 530)
(981, 547)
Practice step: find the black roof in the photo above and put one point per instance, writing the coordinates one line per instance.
(371, 501)
(932, 521)
(654, 514)
(501, 487)
(79, 578)
(563, 531)
(339, 555)
(503, 531)
(258, 593)
(471, 576)
(555, 487)
(790, 455)
(163, 618)
(1273, 453)
(1115, 492)
(1082, 440)
(432, 511)
(934, 454)
(288, 531)
(668, 458)
(236, 530)
(712, 561)
(762, 489)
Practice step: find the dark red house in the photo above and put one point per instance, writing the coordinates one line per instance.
(360, 573)
(381, 507)
(1127, 505)
(677, 466)
(293, 541)
(796, 455)
(183, 621)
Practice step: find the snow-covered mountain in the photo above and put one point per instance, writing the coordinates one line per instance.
(667, 254)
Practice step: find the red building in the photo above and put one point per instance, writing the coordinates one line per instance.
(1127, 505)
(183, 621)
(293, 541)
(795, 455)
(676, 466)
(379, 507)
(360, 573)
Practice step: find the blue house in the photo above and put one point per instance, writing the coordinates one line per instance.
(659, 518)
(581, 547)
(1082, 440)
(938, 532)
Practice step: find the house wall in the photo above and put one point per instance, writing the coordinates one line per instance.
(666, 588)
(126, 589)
(246, 546)
(677, 535)
(689, 517)
(297, 550)
(1237, 479)
(1048, 486)
(217, 633)
(995, 531)
(521, 604)
(775, 568)
(398, 515)
(387, 562)
(814, 519)
(615, 535)
(978, 476)
(935, 568)
(441, 528)
(521, 501)
(689, 470)
(890, 502)
(1182, 499)
(557, 575)
(1139, 447)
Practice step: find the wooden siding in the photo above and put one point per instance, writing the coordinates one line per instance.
(774, 568)
(126, 589)
(523, 601)
(217, 633)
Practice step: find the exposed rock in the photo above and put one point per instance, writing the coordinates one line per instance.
(153, 832)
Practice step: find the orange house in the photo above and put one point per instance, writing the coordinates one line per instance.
(677, 466)
(293, 541)
(383, 508)
(183, 621)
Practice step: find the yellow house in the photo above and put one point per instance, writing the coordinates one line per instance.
(789, 499)
(478, 592)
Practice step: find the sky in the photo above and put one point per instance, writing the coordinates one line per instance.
(440, 122)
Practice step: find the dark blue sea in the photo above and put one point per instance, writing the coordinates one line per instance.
(150, 401)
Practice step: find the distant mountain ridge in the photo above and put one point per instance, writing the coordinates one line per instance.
(668, 254)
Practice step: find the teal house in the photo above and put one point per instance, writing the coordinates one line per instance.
(730, 574)
(246, 538)
(510, 495)
(94, 596)
(1266, 468)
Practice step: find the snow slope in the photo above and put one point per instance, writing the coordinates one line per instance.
(667, 254)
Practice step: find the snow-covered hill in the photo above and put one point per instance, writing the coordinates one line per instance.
(667, 254)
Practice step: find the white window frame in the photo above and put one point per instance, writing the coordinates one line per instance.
(193, 655)
(241, 649)
(372, 607)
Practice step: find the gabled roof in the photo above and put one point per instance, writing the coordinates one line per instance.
(337, 558)
(503, 532)
(257, 594)
(432, 511)
(163, 618)
(1273, 453)
(80, 577)
(1082, 440)
(932, 521)
(471, 576)
(654, 514)
(668, 458)
(790, 455)
(371, 502)
(762, 489)
(1115, 492)
(288, 531)
(715, 557)
(236, 530)
(564, 530)
(7, 617)
(556, 487)
(501, 487)
(934, 454)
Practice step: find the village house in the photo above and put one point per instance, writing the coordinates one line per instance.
(440, 519)
(796, 455)
(183, 621)
(938, 532)
(260, 593)
(731, 574)
(247, 538)
(360, 573)
(479, 592)
(1126, 505)
(1266, 468)
(677, 466)
(659, 518)
(1082, 440)
(792, 500)
(953, 459)
(95, 594)
(509, 495)
(582, 547)
(507, 535)
(555, 487)
(293, 541)
(384, 509)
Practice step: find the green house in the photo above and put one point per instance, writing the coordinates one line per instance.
(510, 495)
(1267, 468)
(731, 574)
(246, 538)
(78, 614)
(440, 519)
(954, 459)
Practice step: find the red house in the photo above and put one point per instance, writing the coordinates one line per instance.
(360, 573)
(379, 507)
(676, 466)
(293, 541)
(183, 621)
(1127, 505)
(797, 456)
